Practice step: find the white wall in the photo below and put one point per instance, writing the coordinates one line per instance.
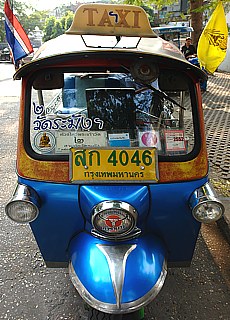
(228, 18)
(225, 65)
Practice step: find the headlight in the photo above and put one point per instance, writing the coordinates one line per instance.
(114, 219)
(23, 207)
(205, 205)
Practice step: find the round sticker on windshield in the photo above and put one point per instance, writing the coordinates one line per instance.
(150, 138)
(44, 142)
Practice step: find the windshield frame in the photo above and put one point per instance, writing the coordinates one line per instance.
(76, 69)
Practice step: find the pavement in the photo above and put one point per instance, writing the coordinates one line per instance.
(224, 222)
(216, 108)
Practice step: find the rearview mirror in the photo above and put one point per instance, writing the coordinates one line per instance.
(171, 80)
(49, 80)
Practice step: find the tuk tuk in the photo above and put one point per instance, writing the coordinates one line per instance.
(173, 33)
(112, 162)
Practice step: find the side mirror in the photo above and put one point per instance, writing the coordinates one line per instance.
(171, 80)
(48, 80)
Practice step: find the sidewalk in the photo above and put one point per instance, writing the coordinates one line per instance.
(224, 223)
(216, 107)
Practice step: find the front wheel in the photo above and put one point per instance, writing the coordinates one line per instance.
(98, 315)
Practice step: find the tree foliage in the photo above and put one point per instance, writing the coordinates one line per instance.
(30, 18)
(35, 19)
(150, 3)
(49, 28)
(55, 27)
(2, 29)
(196, 10)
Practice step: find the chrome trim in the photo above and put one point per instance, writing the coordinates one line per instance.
(116, 257)
(124, 307)
(118, 205)
(133, 235)
(25, 194)
(202, 195)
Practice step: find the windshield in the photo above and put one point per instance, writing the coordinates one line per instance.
(104, 110)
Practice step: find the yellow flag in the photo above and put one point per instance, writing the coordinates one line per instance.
(212, 45)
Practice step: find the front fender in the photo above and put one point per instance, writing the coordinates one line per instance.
(117, 277)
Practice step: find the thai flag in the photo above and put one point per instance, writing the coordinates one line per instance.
(15, 34)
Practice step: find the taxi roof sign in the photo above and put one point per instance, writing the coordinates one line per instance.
(111, 19)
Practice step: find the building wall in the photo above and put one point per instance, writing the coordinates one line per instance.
(225, 65)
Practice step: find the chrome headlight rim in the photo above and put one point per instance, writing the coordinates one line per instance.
(25, 196)
(21, 202)
(205, 195)
(123, 207)
(215, 202)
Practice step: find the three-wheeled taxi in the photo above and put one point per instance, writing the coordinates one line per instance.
(112, 163)
(173, 33)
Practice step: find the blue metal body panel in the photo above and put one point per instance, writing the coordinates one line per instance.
(171, 218)
(163, 211)
(142, 271)
(59, 219)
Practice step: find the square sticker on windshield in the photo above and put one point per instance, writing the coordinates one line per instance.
(119, 140)
(67, 139)
(174, 140)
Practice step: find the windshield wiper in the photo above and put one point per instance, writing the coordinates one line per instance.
(162, 95)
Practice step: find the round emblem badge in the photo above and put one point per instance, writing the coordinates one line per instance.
(44, 142)
(113, 221)
(116, 223)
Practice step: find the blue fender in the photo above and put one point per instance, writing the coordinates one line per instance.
(117, 277)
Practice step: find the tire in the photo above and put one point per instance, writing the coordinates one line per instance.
(94, 314)
(98, 315)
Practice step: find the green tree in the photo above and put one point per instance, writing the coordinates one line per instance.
(150, 3)
(63, 22)
(58, 30)
(49, 28)
(36, 19)
(49, 25)
(69, 19)
(20, 10)
(55, 27)
(196, 9)
(23, 13)
(2, 29)
(196, 19)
